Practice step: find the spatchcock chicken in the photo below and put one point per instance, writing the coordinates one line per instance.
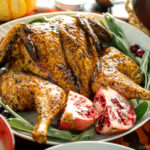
(47, 60)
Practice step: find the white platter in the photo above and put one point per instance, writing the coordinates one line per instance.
(88, 145)
(133, 35)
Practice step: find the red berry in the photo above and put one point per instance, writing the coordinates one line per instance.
(134, 48)
(140, 52)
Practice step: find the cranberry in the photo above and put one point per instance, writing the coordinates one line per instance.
(1, 108)
(6, 113)
(134, 48)
(140, 52)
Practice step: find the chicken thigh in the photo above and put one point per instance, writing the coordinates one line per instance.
(26, 92)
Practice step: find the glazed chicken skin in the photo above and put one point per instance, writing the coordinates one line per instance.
(45, 58)
(59, 51)
(121, 73)
(68, 53)
(29, 93)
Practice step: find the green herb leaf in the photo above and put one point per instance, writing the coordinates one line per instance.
(41, 20)
(140, 110)
(45, 19)
(15, 114)
(119, 39)
(61, 134)
(85, 135)
(18, 124)
(144, 66)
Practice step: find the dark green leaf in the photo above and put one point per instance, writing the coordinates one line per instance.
(61, 134)
(85, 135)
(18, 124)
(45, 19)
(144, 66)
(38, 20)
(15, 114)
(119, 39)
(140, 110)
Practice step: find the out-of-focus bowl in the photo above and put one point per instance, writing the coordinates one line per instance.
(6, 136)
(142, 11)
(89, 145)
(104, 3)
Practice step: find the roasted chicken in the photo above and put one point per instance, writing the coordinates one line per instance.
(26, 92)
(121, 73)
(66, 52)
(58, 51)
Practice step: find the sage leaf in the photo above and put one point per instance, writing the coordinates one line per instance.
(140, 110)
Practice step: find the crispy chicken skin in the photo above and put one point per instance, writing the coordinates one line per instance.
(66, 52)
(47, 57)
(26, 92)
(80, 55)
(121, 73)
(59, 51)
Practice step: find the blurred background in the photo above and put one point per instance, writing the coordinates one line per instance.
(17, 8)
(136, 12)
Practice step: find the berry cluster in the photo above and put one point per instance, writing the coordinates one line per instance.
(137, 50)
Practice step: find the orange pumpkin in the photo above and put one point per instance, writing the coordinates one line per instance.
(12, 9)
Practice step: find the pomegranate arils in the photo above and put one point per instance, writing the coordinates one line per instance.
(116, 103)
(140, 52)
(134, 48)
(116, 114)
(79, 113)
(90, 112)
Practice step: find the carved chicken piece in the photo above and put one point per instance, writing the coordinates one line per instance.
(26, 92)
(120, 73)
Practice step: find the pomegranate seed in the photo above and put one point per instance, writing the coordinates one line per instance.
(116, 103)
(140, 52)
(134, 48)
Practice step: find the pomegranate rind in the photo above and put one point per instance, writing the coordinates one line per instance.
(79, 113)
(116, 114)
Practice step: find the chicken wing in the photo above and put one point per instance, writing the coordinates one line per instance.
(121, 73)
(26, 92)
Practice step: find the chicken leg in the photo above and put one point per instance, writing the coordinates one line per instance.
(29, 93)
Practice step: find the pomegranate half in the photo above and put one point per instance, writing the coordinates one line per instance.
(79, 113)
(116, 114)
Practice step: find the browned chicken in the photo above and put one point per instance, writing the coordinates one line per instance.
(65, 52)
(121, 73)
(59, 51)
(26, 92)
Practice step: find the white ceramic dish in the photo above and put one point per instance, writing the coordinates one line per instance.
(89, 145)
(133, 35)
